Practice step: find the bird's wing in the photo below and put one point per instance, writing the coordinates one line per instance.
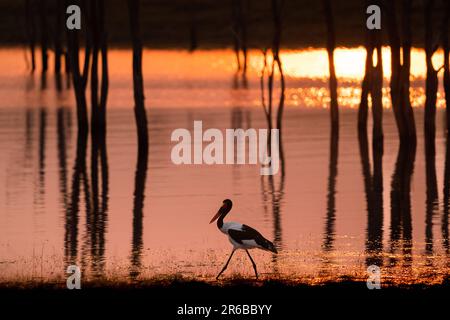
(248, 233)
(245, 233)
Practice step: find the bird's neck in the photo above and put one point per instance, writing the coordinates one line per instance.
(220, 222)
(224, 213)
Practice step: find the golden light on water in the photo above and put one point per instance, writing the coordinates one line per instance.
(190, 77)
(349, 63)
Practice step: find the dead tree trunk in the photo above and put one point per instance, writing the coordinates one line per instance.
(235, 7)
(401, 50)
(331, 45)
(31, 30)
(94, 38)
(446, 47)
(363, 110)
(193, 38)
(58, 35)
(105, 73)
(239, 10)
(377, 95)
(79, 80)
(99, 46)
(432, 74)
(277, 6)
(138, 82)
(44, 31)
(405, 73)
(395, 85)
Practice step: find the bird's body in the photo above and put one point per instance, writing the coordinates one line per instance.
(240, 235)
(244, 237)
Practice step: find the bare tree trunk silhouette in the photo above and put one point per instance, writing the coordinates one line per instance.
(193, 32)
(270, 71)
(446, 48)
(44, 36)
(446, 189)
(277, 6)
(399, 84)
(239, 12)
(377, 96)
(406, 71)
(432, 74)
(79, 79)
(30, 19)
(142, 131)
(235, 6)
(431, 89)
(394, 42)
(331, 45)
(58, 35)
(138, 82)
(99, 46)
(366, 85)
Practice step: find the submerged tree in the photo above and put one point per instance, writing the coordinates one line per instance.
(400, 72)
(372, 86)
(270, 68)
(329, 234)
(446, 189)
(99, 45)
(239, 12)
(30, 19)
(142, 132)
(138, 82)
(79, 78)
(431, 86)
(191, 10)
(59, 25)
(44, 34)
(331, 45)
(446, 48)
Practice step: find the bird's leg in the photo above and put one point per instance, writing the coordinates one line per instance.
(253, 263)
(226, 264)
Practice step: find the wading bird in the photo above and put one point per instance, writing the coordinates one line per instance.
(240, 235)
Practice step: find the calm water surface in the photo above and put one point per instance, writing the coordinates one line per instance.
(332, 213)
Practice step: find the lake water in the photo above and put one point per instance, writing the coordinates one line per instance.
(57, 209)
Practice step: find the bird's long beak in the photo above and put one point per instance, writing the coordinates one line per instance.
(218, 214)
